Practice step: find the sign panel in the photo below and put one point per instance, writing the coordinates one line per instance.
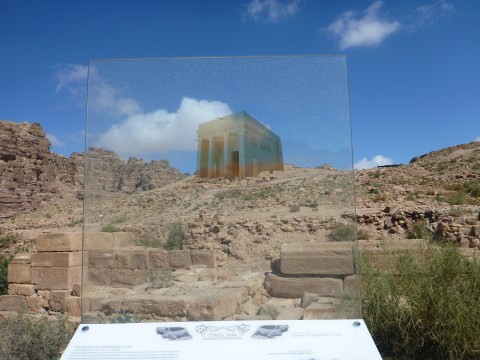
(286, 340)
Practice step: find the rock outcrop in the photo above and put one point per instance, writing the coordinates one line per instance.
(27, 168)
(106, 171)
(32, 176)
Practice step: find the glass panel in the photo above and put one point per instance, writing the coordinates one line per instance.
(219, 188)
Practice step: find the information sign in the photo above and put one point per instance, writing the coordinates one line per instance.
(286, 340)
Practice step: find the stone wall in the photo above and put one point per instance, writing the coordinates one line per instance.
(462, 230)
(324, 268)
(113, 260)
(50, 279)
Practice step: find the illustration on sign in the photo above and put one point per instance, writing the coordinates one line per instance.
(174, 333)
(269, 331)
(222, 332)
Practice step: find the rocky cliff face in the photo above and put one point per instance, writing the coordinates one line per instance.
(27, 168)
(106, 171)
(31, 175)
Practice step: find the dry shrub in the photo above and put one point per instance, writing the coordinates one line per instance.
(24, 337)
(427, 311)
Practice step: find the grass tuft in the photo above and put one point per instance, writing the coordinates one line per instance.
(427, 311)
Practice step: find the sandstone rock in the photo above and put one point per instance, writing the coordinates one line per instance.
(12, 302)
(217, 305)
(294, 287)
(58, 278)
(318, 311)
(324, 258)
(308, 298)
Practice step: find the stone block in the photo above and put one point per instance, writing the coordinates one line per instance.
(59, 242)
(34, 272)
(22, 259)
(217, 305)
(107, 306)
(123, 260)
(99, 276)
(290, 314)
(294, 287)
(12, 302)
(352, 286)
(317, 311)
(123, 239)
(100, 259)
(42, 259)
(203, 257)
(317, 258)
(58, 300)
(24, 289)
(12, 289)
(141, 277)
(122, 278)
(475, 230)
(73, 305)
(158, 259)
(98, 241)
(140, 260)
(34, 304)
(58, 278)
(179, 258)
(19, 273)
(67, 259)
(161, 306)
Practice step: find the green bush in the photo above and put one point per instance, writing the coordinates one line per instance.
(294, 208)
(7, 240)
(363, 235)
(458, 198)
(125, 317)
(4, 274)
(161, 278)
(24, 337)
(343, 232)
(149, 240)
(420, 230)
(427, 311)
(109, 228)
(175, 236)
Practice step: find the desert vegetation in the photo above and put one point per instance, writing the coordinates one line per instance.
(426, 307)
(24, 337)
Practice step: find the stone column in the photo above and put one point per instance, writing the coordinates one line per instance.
(210, 156)
(199, 157)
(226, 155)
(241, 153)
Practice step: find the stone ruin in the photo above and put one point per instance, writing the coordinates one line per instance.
(310, 281)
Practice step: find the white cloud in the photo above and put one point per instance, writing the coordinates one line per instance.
(477, 139)
(353, 30)
(55, 141)
(429, 14)
(272, 10)
(106, 99)
(374, 162)
(72, 79)
(160, 130)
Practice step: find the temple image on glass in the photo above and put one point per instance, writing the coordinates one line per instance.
(237, 145)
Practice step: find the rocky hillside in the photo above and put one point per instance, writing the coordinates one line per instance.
(107, 172)
(243, 218)
(30, 174)
(441, 188)
(32, 177)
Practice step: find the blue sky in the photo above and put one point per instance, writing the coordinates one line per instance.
(413, 66)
